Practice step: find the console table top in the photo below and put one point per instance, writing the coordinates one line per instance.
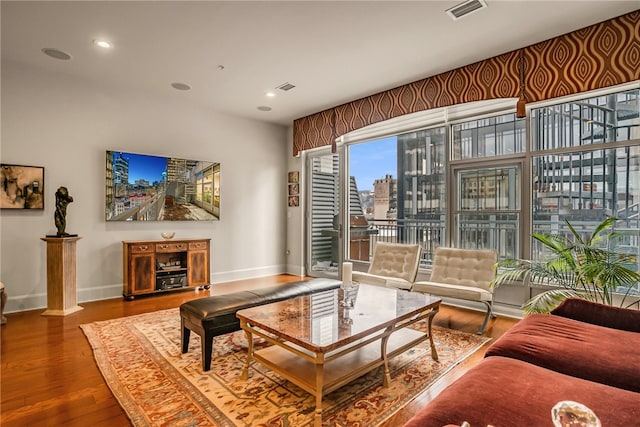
(186, 239)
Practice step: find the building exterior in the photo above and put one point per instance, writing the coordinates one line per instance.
(385, 198)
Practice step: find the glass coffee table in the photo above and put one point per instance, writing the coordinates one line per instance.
(326, 340)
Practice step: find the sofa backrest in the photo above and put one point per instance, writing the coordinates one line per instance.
(464, 267)
(396, 260)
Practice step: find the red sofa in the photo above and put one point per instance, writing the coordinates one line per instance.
(583, 351)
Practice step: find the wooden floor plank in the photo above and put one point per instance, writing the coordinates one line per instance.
(49, 376)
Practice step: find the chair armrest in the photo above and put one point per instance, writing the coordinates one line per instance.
(398, 284)
(374, 279)
(599, 314)
(368, 278)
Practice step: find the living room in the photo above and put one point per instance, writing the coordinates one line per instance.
(65, 122)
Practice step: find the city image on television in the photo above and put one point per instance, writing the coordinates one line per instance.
(142, 187)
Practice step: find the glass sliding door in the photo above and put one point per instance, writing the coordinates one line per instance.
(324, 231)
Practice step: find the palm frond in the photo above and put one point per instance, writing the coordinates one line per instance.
(548, 300)
(573, 267)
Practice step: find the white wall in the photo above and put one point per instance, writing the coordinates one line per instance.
(66, 126)
(295, 216)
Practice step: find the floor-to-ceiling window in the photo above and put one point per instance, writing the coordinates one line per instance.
(487, 158)
(487, 211)
(488, 180)
(586, 167)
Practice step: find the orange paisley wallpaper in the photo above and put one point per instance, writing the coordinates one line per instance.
(602, 55)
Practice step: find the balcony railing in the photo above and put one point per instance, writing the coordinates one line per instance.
(488, 232)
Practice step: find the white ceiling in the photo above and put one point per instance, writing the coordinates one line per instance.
(333, 52)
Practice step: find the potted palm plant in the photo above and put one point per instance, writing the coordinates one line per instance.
(576, 267)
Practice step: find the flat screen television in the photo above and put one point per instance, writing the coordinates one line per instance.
(142, 187)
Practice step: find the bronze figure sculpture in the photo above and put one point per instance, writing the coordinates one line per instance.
(60, 217)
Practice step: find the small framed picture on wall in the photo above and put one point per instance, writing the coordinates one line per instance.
(294, 189)
(21, 187)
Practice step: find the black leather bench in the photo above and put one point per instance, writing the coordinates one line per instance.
(216, 315)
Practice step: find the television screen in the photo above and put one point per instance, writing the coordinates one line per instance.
(141, 187)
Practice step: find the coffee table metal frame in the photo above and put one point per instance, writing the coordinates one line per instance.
(321, 369)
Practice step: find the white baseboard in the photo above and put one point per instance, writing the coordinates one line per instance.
(249, 273)
(17, 303)
(296, 270)
(499, 309)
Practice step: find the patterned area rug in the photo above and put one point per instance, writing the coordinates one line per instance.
(157, 385)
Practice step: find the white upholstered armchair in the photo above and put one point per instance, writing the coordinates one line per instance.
(393, 265)
(462, 274)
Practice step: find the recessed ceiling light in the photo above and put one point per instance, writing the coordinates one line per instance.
(56, 53)
(264, 108)
(269, 94)
(180, 86)
(102, 43)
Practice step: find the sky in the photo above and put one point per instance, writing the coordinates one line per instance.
(149, 168)
(373, 160)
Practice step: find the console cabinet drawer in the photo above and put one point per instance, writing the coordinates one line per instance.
(141, 249)
(198, 245)
(171, 247)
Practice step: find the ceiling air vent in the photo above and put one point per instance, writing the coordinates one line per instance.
(286, 86)
(465, 8)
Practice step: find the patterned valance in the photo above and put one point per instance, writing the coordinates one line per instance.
(601, 55)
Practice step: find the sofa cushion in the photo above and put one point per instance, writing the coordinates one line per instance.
(505, 392)
(599, 314)
(604, 355)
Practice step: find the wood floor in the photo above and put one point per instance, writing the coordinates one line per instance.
(49, 376)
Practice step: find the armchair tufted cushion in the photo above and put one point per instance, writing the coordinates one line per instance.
(393, 265)
(464, 267)
(462, 274)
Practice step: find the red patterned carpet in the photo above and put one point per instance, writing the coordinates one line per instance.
(156, 385)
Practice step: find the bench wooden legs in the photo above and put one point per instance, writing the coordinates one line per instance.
(489, 305)
(206, 344)
(207, 349)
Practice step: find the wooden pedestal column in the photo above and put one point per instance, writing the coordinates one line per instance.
(61, 276)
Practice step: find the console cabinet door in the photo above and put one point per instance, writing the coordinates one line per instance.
(198, 267)
(142, 269)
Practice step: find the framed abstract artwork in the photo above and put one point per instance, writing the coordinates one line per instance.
(21, 187)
